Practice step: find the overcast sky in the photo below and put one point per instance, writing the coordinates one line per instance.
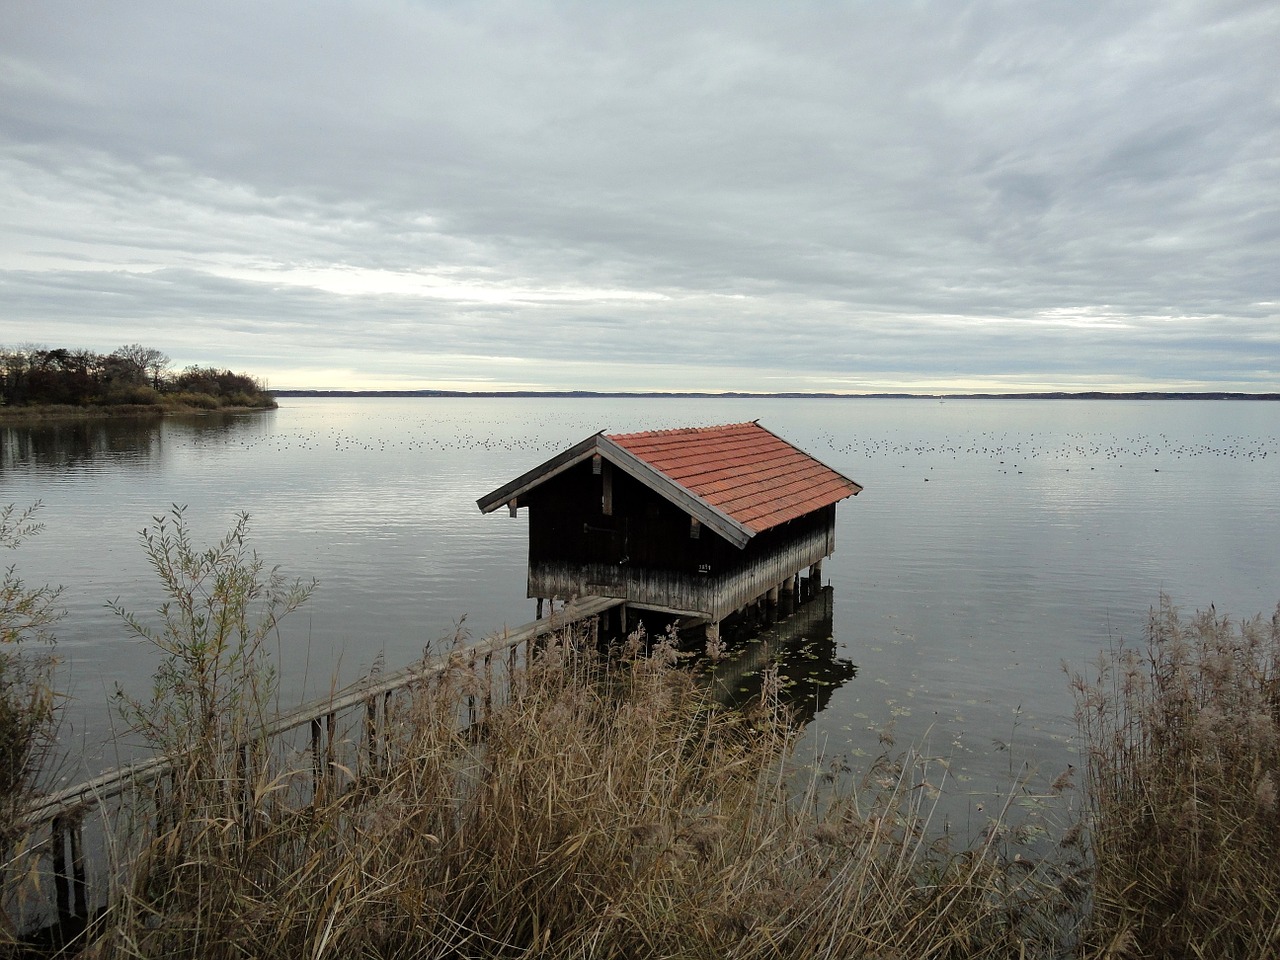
(855, 196)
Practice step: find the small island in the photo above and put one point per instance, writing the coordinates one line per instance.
(38, 383)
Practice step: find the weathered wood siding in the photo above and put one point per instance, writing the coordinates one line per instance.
(699, 576)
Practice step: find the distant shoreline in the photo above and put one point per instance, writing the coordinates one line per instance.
(37, 414)
(658, 395)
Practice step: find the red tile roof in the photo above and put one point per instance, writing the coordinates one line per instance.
(742, 470)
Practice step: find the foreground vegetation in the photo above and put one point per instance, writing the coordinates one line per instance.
(608, 808)
(134, 378)
(27, 704)
(1184, 767)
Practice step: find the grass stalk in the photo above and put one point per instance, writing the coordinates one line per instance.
(1183, 771)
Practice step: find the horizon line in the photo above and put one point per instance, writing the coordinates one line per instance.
(785, 395)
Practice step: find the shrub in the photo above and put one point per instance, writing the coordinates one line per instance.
(214, 685)
(185, 398)
(238, 399)
(131, 395)
(1183, 774)
(27, 615)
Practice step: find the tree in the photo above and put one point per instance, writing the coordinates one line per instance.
(131, 375)
(15, 367)
(157, 364)
(146, 363)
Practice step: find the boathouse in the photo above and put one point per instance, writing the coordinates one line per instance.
(696, 523)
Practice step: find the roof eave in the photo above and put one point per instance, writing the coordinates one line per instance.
(522, 484)
(716, 520)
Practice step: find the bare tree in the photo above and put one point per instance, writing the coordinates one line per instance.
(146, 362)
(157, 363)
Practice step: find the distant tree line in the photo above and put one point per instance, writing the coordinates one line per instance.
(130, 375)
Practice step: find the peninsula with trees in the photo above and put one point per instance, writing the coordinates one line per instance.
(39, 381)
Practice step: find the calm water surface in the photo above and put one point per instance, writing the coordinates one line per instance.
(994, 541)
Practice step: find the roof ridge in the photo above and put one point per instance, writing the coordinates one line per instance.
(683, 431)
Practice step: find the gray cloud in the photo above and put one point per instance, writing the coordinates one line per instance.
(598, 195)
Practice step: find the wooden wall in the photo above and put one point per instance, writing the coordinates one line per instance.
(642, 550)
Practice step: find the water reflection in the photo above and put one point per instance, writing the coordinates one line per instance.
(64, 445)
(802, 646)
(68, 446)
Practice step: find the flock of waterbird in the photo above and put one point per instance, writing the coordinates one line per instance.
(1008, 449)
(1010, 452)
(409, 436)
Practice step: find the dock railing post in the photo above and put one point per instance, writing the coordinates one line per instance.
(488, 688)
(471, 694)
(371, 732)
(69, 886)
(323, 766)
(317, 759)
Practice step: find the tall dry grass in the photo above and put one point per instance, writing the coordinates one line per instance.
(1183, 774)
(606, 809)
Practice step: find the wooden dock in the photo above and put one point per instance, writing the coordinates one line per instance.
(66, 832)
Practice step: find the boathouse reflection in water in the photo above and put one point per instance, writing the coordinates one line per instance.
(802, 645)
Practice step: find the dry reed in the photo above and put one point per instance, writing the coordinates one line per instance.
(1184, 740)
(608, 809)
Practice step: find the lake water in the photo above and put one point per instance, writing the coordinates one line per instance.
(994, 541)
